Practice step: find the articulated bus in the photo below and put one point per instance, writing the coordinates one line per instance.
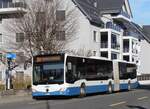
(67, 75)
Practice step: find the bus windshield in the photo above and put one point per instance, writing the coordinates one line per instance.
(48, 73)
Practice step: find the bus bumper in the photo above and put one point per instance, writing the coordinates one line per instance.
(68, 92)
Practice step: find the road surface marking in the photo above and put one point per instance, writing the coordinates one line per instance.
(141, 98)
(116, 104)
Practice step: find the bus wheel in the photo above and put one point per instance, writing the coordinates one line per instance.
(82, 91)
(110, 88)
(35, 98)
(129, 86)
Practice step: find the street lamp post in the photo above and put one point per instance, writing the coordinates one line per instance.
(10, 58)
(8, 75)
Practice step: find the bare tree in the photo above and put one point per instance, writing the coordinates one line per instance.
(81, 52)
(47, 26)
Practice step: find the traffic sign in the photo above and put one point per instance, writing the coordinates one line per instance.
(11, 55)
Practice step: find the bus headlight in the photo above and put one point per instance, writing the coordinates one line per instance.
(34, 90)
(62, 89)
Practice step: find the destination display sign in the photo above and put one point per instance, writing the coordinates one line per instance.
(48, 59)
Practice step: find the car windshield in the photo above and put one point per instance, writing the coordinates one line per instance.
(52, 73)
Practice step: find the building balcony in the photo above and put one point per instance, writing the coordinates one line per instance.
(110, 25)
(135, 51)
(129, 33)
(115, 46)
(122, 16)
(104, 45)
(126, 50)
(9, 9)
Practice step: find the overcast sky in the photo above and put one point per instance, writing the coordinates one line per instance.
(141, 11)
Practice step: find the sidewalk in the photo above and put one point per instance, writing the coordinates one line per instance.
(18, 96)
(14, 99)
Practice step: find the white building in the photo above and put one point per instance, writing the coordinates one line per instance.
(110, 30)
(105, 27)
(9, 10)
(145, 51)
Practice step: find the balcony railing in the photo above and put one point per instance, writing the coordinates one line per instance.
(113, 26)
(104, 45)
(13, 5)
(125, 14)
(129, 33)
(115, 46)
(126, 50)
(135, 51)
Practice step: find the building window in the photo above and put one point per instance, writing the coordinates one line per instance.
(126, 58)
(19, 37)
(60, 35)
(94, 53)
(94, 36)
(60, 15)
(133, 59)
(113, 56)
(104, 54)
(1, 39)
(104, 39)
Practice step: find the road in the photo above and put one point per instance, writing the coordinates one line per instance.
(135, 99)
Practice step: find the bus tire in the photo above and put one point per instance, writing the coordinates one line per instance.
(110, 89)
(35, 98)
(129, 86)
(82, 91)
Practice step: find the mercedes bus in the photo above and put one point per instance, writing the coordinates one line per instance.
(68, 75)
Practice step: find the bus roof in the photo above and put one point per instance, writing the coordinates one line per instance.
(92, 57)
(124, 61)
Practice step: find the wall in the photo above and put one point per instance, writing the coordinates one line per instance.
(145, 58)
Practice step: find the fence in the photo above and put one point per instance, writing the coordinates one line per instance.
(143, 77)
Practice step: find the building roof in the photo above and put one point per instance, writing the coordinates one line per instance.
(146, 30)
(90, 11)
(138, 29)
(110, 6)
(93, 9)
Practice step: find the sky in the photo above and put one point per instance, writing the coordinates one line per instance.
(141, 11)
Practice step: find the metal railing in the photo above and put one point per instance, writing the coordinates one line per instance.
(126, 50)
(13, 5)
(143, 77)
(113, 26)
(129, 33)
(115, 46)
(104, 45)
(135, 51)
